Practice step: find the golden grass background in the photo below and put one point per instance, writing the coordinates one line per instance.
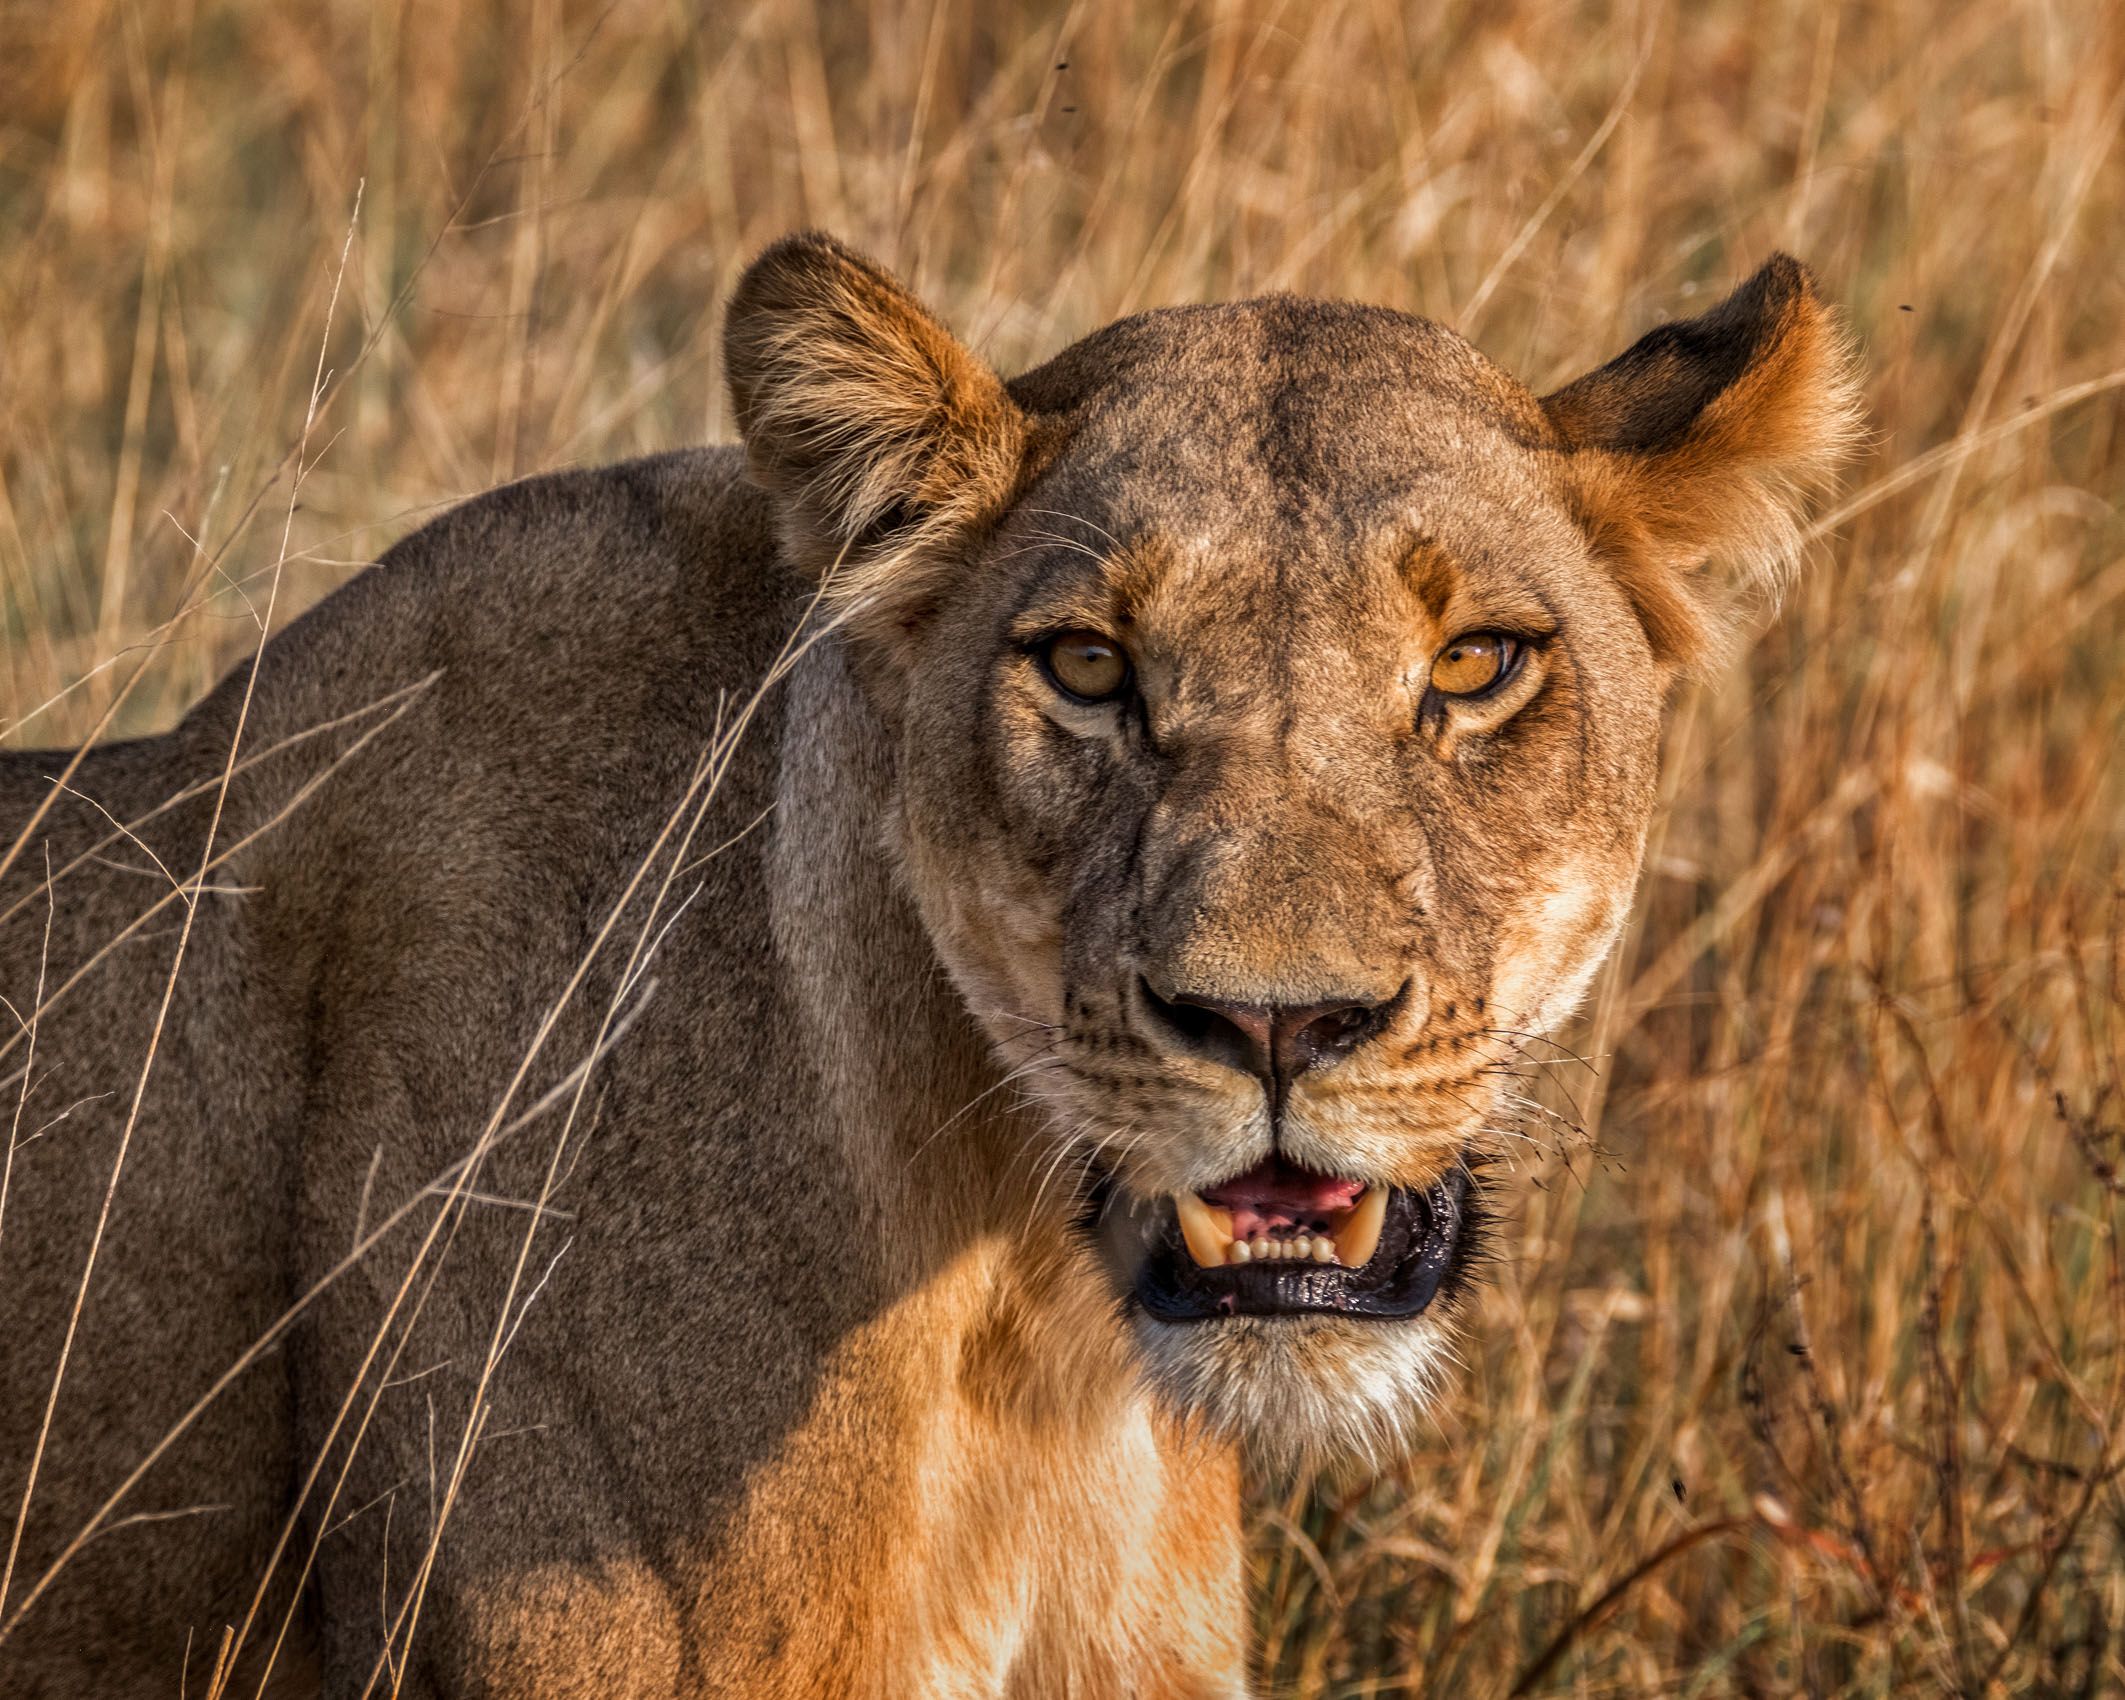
(1803, 1365)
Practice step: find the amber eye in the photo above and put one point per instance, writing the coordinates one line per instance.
(1470, 665)
(1086, 666)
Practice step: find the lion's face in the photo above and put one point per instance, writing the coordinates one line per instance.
(1278, 693)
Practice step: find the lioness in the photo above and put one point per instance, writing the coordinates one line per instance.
(805, 1191)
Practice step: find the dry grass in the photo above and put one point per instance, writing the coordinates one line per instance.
(1804, 1364)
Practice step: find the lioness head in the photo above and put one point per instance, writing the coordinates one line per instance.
(1278, 691)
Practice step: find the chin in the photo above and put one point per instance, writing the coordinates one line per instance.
(1308, 1318)
(1304, 1393)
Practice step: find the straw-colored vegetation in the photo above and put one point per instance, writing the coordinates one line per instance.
(1803, 1363)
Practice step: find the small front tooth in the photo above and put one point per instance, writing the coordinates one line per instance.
(1207, 1231)
(1239, 1252)
(1360, 1235)
(1301, 1247)
(1324, 1250)
(1273, 1248)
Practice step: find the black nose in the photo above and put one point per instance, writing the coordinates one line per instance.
(1273, 1042)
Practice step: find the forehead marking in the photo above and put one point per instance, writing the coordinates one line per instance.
(1433, 574)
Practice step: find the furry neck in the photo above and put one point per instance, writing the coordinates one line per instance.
(995, 1351)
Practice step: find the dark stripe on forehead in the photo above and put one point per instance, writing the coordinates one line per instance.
(1282, 447)
(1302, 431)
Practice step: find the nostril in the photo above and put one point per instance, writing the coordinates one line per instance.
(1238, 1035)
(1319, 1035)
(1329, 1035)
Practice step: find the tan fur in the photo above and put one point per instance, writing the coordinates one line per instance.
(814, 1382)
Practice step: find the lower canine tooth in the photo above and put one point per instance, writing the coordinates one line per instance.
(1360, 1235)
(1208, 1231)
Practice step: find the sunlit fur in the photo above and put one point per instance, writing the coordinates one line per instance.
(719, 1133)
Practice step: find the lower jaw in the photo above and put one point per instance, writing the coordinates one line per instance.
(1304, 1393)
(1425, 1248)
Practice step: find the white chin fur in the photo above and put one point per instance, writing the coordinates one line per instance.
(1304, 1391)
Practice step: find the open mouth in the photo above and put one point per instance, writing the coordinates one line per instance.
(1282, 1241)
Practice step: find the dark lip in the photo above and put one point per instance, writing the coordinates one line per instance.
(1426, 1246)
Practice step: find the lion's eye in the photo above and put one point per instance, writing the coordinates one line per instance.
(1086, 666)
(1470, 665)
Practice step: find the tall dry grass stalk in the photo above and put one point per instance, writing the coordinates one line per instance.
(1803, 1363)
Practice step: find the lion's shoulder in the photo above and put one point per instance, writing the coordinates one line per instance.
(568, 584)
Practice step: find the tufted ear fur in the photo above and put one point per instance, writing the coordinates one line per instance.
(1702, 440)
(884, 441)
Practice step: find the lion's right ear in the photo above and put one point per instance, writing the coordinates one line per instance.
(884, 441)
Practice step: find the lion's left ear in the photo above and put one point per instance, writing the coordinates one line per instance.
(884, 441)
(1701, 442)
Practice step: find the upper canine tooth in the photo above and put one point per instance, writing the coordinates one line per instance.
(1208, 1231)
(1359, 1237)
